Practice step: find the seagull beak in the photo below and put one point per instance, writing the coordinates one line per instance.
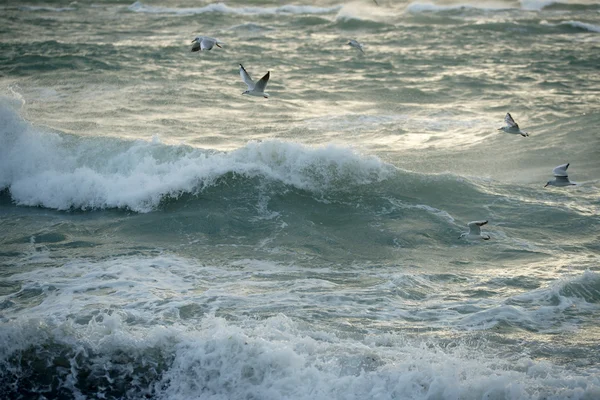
(545, 185)
(217, 44)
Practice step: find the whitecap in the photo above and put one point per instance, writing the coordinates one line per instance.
(64, 172)
(138, 6)
(582, 25)
(420, 7)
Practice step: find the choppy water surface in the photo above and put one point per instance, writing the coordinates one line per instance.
(165, 237)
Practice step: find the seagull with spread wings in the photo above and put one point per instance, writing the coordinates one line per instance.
(511, 126)
(475, 231)
(561, 177)
(258, 88)
(205, 43)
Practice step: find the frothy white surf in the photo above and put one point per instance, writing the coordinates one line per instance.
(46, 8)
(62, 172)
(95, 313)
(583, 26)
(225, 9)
(420, 7)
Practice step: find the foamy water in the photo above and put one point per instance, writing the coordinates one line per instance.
(166, 237)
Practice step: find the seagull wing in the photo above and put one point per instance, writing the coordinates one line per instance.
(262, 83)
(356, 45)
(510, 121)
(561, 171)
(196, 43)
(246, 78)
(207, 43)
(475, 227)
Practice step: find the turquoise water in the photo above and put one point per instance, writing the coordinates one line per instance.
(164, 236)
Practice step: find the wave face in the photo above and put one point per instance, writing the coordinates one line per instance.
(526, 5)
(223, 8)
(65, 172)
(583, 26)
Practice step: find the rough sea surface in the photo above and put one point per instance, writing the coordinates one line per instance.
(163, 236)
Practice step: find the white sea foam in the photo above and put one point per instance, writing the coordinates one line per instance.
(278, 358)
(125, 318)
(529, 5)
(46, 8)
(432, 210)
(62, 172)
(582, 25)
(420, 7)
(225, 9)
(543, 309)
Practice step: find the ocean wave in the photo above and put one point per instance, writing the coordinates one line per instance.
(527, 5)
(536, 5)
(46, 8)
(582, 26)
(346, 21)
(225, 9)
(541, 309)
(113, 355)
(420, 7)
(62, 172)
(539, 5)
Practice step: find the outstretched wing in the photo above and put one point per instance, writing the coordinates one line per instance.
(196, 46)
(246, 78)
(561, 170)
(207, 43)
(475, 226)
(510, 121)
(262, 83)
(356, 45)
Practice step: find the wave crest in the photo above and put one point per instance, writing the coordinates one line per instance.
(65, 172)
(138, 6)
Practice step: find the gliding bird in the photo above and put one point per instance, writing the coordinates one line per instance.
(512, 126)
(255, 89)
(475, 231)
(205, 43)
(356, 45)
(561, 176)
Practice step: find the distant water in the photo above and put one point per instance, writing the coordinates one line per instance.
(165, 237)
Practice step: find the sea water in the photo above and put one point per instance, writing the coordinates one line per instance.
(164, 236)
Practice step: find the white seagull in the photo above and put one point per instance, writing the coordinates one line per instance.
(561, 176)
(512, 126)
(205, 43)
(356, 45)
(258, 88)
(475, 231)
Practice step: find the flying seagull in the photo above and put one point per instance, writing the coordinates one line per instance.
(356, 45)
(205, 43)
(475, 231)
(512, 126)
(561, 176)
(255, 89)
